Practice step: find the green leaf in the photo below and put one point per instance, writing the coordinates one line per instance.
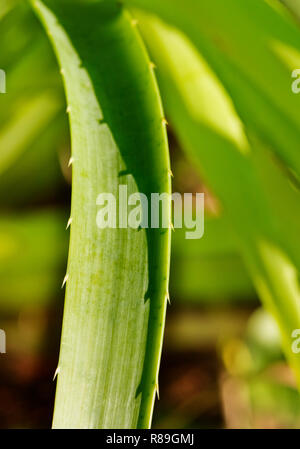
(117, 279)
(32, 257)
(6, 6)
(196, 262)
(22, 129)
(293, 6)
(253, 48)
(198, 107)
(32, 115)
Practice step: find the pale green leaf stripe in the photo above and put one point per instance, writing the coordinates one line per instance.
(117, 278)
(226, 162)
(27, 123)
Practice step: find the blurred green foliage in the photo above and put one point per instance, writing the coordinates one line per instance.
(226, 86)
